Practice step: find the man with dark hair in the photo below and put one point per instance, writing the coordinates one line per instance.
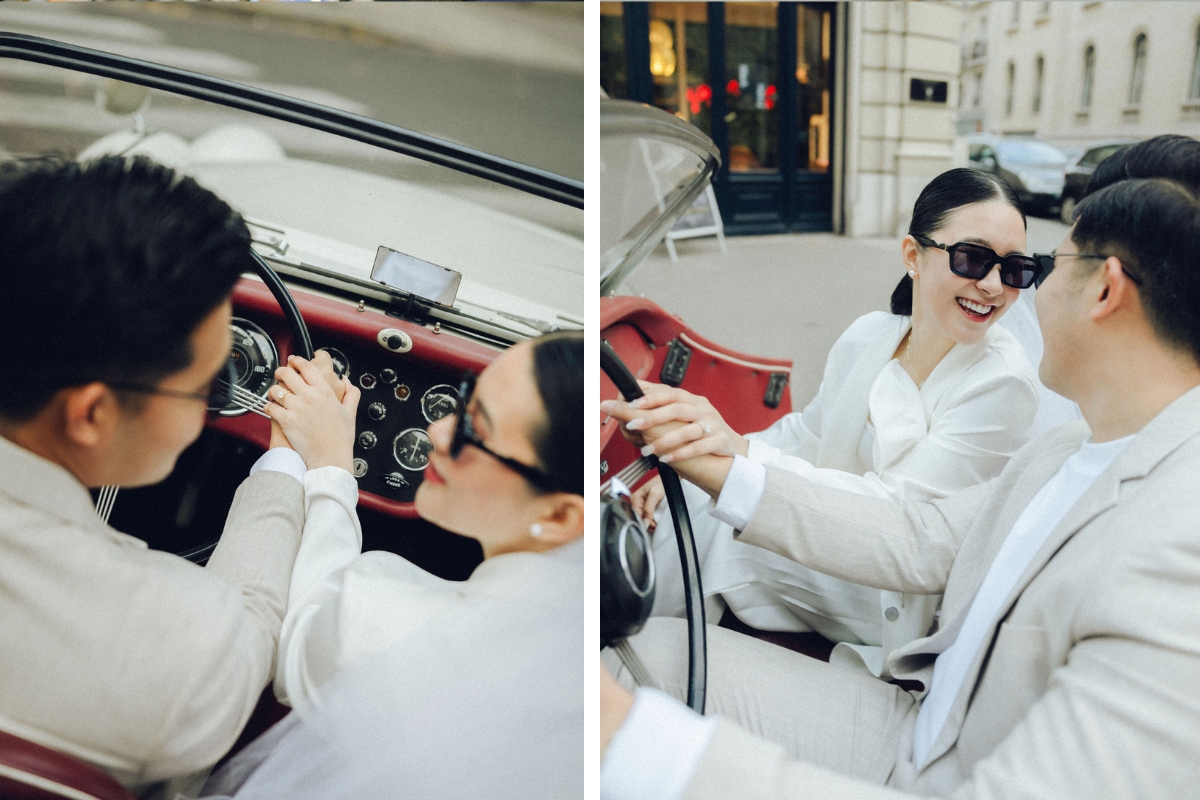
(1170, 156)
(1067, 656)
(114, 319)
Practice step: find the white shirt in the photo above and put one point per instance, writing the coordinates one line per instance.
(1029, 533)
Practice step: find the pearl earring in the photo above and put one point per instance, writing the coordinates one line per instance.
(912, 273)
(535, 530)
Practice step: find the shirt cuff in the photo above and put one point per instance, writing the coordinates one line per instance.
(281, 459)
(739, 496)
(762, 452)
(655, 753)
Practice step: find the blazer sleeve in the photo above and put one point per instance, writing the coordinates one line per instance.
(309, 642)
(233, 632)
(887, 543)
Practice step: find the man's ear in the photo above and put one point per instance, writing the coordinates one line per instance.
(89, 413)
(1112, 290)
(561, 519)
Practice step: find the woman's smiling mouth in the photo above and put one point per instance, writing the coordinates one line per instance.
(973, 310)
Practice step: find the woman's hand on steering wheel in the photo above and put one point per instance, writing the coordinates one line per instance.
(699, 428)
(323, 361)
(318, 424)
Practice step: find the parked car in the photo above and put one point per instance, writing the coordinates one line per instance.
(1032, 167)
(322, 191)
(1080, 170)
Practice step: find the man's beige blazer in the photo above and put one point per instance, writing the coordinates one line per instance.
(135, 660)
(1089, 685)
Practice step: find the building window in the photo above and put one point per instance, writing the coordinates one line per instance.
(1008, 97)
(1089, 73)
(1016, 15)
(1039, 69)
(1138, 73)
(1194, 94)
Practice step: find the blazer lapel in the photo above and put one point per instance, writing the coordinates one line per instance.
(1175, 425)
(851, 406)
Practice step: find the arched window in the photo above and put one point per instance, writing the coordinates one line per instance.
(1194, 94)
(1089, 73)
(1039, 70)
(1138, 74)
(1008, 99)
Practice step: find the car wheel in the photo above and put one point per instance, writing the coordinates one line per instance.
(1066, 209)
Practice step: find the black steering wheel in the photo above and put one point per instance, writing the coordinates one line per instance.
(612, 365)
(282, 296)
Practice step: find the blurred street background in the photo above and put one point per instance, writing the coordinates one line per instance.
(503, 78)
(831, 117)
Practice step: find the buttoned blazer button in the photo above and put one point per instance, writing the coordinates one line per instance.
(892, 613)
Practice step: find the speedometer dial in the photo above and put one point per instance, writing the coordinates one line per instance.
(412, 448)
(254, 361)
(440, 401)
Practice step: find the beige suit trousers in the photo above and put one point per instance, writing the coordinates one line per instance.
(825, 715)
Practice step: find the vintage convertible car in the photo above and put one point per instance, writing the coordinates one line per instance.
(325, 192)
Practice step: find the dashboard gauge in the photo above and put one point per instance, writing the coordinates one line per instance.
(438, 402)
(254, 360)
(412, 448)
(341, 365)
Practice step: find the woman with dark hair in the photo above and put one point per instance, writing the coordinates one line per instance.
(402, 679)
(921, 402)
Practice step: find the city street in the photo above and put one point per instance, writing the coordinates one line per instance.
(506, 80)
(787, 296)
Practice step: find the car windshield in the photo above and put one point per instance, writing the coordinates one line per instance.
(317, 203)
(1030, 152)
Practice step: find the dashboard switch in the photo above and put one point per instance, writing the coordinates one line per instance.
(367, 440)
(376, 411)
(395, 340)
(366, 380)
(388, 376)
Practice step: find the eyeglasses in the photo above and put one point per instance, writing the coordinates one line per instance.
(219, 395)
(1046, 263)
(464, 434)
(975, 261)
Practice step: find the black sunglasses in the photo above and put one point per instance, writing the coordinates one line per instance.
(219, 395)
(1046, 262)
(464, 434)
(975, 261)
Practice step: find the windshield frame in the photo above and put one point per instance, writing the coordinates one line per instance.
(289, 109)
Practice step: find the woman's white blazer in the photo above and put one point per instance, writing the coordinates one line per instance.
(871, 430)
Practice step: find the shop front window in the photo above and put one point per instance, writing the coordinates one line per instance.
(614, 69)
(813, 47)
(679, 61)
(752, 86)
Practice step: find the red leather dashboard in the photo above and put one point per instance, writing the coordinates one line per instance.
(341, 322)
(640, 332)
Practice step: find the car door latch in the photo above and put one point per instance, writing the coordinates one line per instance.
(775, 386)
(675, 364)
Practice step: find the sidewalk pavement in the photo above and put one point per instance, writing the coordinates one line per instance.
(785, 296)
(542, 36)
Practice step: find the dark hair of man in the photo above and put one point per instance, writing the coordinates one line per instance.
(558, 370)
(944, 195)
(1170, 156)
(106, 269)
(1153, 226)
